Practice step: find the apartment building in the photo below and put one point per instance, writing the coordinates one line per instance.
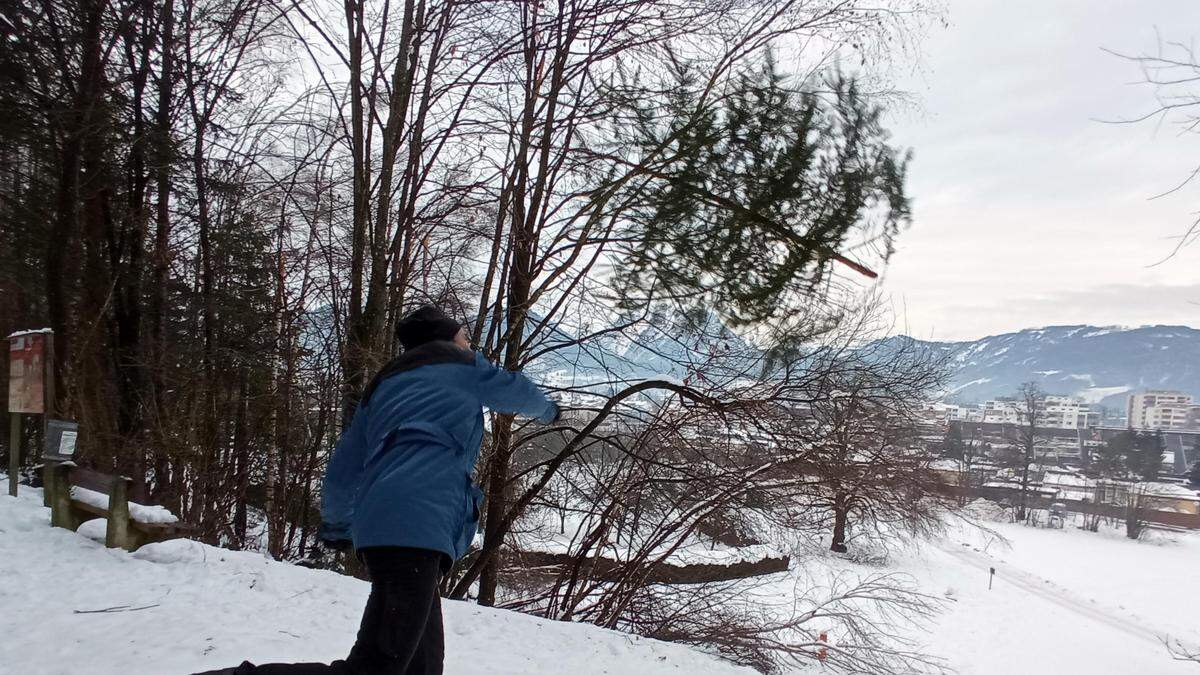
(1162, 409)
(1056, 412)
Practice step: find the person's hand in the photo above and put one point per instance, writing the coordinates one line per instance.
(554, 415)
(335, 538)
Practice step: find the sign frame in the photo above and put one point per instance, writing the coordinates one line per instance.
(61, 443)
(29, 355)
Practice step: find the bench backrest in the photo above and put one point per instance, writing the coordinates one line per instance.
(94, 480)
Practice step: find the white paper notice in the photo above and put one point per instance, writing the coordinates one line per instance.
(66, 446)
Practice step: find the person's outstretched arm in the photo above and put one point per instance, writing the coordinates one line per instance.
(341, 481)
(507, 392)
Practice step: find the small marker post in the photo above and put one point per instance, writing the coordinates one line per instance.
(991, 575)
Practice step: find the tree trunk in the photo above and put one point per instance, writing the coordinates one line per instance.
(161, 257)
(1022, 509)
(241, 453)
(840, 518)
(497, 480)
(354, 360)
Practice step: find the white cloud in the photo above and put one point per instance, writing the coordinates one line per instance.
(1027, 210)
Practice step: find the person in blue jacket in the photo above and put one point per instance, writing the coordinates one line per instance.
(399, 489)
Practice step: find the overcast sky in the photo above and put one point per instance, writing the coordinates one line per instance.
(1028, 211)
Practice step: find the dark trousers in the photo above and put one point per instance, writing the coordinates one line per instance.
(401, 629)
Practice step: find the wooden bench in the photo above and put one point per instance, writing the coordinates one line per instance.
(123, 530)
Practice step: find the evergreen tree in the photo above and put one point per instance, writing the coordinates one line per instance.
(1110, 458)
(758, 193)
(1144, 458)
(952, 444)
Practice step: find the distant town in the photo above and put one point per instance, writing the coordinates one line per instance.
(1074, 455)
(1151, 410)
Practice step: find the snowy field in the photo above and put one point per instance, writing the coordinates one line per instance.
(1064, 602)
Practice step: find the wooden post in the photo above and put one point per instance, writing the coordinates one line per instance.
(48, 483)
(14, 452)
(60, 506)
(49, 403)
(117, 532)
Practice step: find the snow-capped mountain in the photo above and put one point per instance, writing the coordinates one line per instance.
(1099, 364)
(672, 346)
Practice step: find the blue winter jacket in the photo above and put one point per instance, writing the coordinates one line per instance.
(401, 473)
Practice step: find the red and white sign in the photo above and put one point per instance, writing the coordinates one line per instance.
(26, 372)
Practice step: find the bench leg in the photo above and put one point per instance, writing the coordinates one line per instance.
(48, 484)
(117, 532)
(59, 487)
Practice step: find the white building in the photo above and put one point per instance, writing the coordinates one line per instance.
(1054, 412)
(1162, 409)
(1067, 412)
(1002, 411)
(959, 413)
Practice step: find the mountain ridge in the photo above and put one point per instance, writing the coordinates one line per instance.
(1101, 364)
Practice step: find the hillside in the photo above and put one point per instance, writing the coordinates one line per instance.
(72, 606)
(1099, 364)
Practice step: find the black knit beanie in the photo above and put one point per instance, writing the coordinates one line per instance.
(425, 325)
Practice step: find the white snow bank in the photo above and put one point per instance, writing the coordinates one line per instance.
(139, 512)
(181, 606)
(95, 529)
(30, 332)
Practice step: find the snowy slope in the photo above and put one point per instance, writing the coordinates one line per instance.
(1100, 364)
(72, 606)
(1064, 602)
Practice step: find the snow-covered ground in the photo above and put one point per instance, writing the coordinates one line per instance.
(70, 606)
(1063, 602)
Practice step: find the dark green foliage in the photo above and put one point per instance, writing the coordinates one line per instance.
(1131, 454)
(758, 194)
(1145, 460)
(1109, 460)
(952, 444)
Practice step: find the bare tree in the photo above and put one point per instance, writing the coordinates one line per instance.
(1030, 406)
(576, 197)
(1172, 70)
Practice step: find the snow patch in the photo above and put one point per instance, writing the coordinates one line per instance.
(96, 528)
(142, 513)
(1097, 394)
(956, 389)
